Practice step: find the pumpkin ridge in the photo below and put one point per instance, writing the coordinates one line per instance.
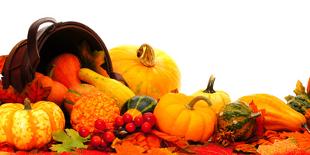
(33, 141)
(204, 124)
(8, 130)
(49, 113)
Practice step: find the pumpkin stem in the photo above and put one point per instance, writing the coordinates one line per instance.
(209, 88)
(27, 104)
(146, 55)
(192, 103)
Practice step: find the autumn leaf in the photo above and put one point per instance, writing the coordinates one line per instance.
(300, 89)
(36, 92)
(2, 60)
(70, 141)
(258, 120)
(175, 140)
(211, 148)
(10, 95)
(278, 147)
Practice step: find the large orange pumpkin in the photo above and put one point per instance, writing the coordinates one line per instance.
(28, 126)
(147, 71)
(185, 116)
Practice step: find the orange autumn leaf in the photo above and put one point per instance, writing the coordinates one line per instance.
(178, 141)
(279, 147)
(127, 148)
(302, 139)
(259, 120)
(308, 87)
(160, 151)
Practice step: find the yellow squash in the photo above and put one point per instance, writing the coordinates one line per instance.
(185, 116)
(218, 98)
(147, 71)
(111, 87)
(279, 116)
(29, 126)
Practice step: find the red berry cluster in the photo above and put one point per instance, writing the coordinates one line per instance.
(101, 137)
(128, 124)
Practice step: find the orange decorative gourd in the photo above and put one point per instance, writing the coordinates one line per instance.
(185, 116)
(76, 92)
(58, 90)
(65, 69)
(91, 107)
(28, 126)
(147, 71)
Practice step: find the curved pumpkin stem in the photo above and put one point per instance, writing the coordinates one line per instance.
(192, 103)
(146, 55)
(209, 88)
(27, 104)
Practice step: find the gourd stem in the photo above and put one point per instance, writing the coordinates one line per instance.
(254, 115)
(146, 55)
(306, 127)
(209, 88)
(192, 103)
(27, 104)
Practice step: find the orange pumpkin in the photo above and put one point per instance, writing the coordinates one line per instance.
(58, 90)
(147, 71)
(65, 69)
(185, 116)
(76, 92)
(28, 126)
(91, 107)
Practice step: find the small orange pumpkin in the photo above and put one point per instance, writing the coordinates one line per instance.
(185, 116)
(147, 71)
(28, 126)
(65, 69)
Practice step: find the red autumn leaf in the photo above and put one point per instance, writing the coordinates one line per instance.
(36, 92)
(213, 149)
(2, 60)
(259, 120)
(5, 147)
(10, 95)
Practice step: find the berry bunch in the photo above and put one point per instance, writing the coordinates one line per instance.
(127, 124)
(101, 137)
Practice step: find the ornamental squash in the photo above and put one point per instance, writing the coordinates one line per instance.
(28, 126)
(218, 98)
(278, 116)
(92, 107)
(185, 116)
(65, 69)
(111, 87)
(236, 122)
(138, 105)
(147, 71)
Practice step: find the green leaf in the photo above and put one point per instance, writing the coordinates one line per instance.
(70, 140)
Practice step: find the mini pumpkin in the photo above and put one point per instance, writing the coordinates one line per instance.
(28, 126)
(147, 71)
(91, 107)
(218, 98)
(185, 116)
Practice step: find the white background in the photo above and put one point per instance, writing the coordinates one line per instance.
(250, 46)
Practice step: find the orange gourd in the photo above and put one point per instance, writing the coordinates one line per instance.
(75, 93)
(185, 116)
(147, 71)
(58, 90)
(28, 126)
(65, 69)
(91, 107)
